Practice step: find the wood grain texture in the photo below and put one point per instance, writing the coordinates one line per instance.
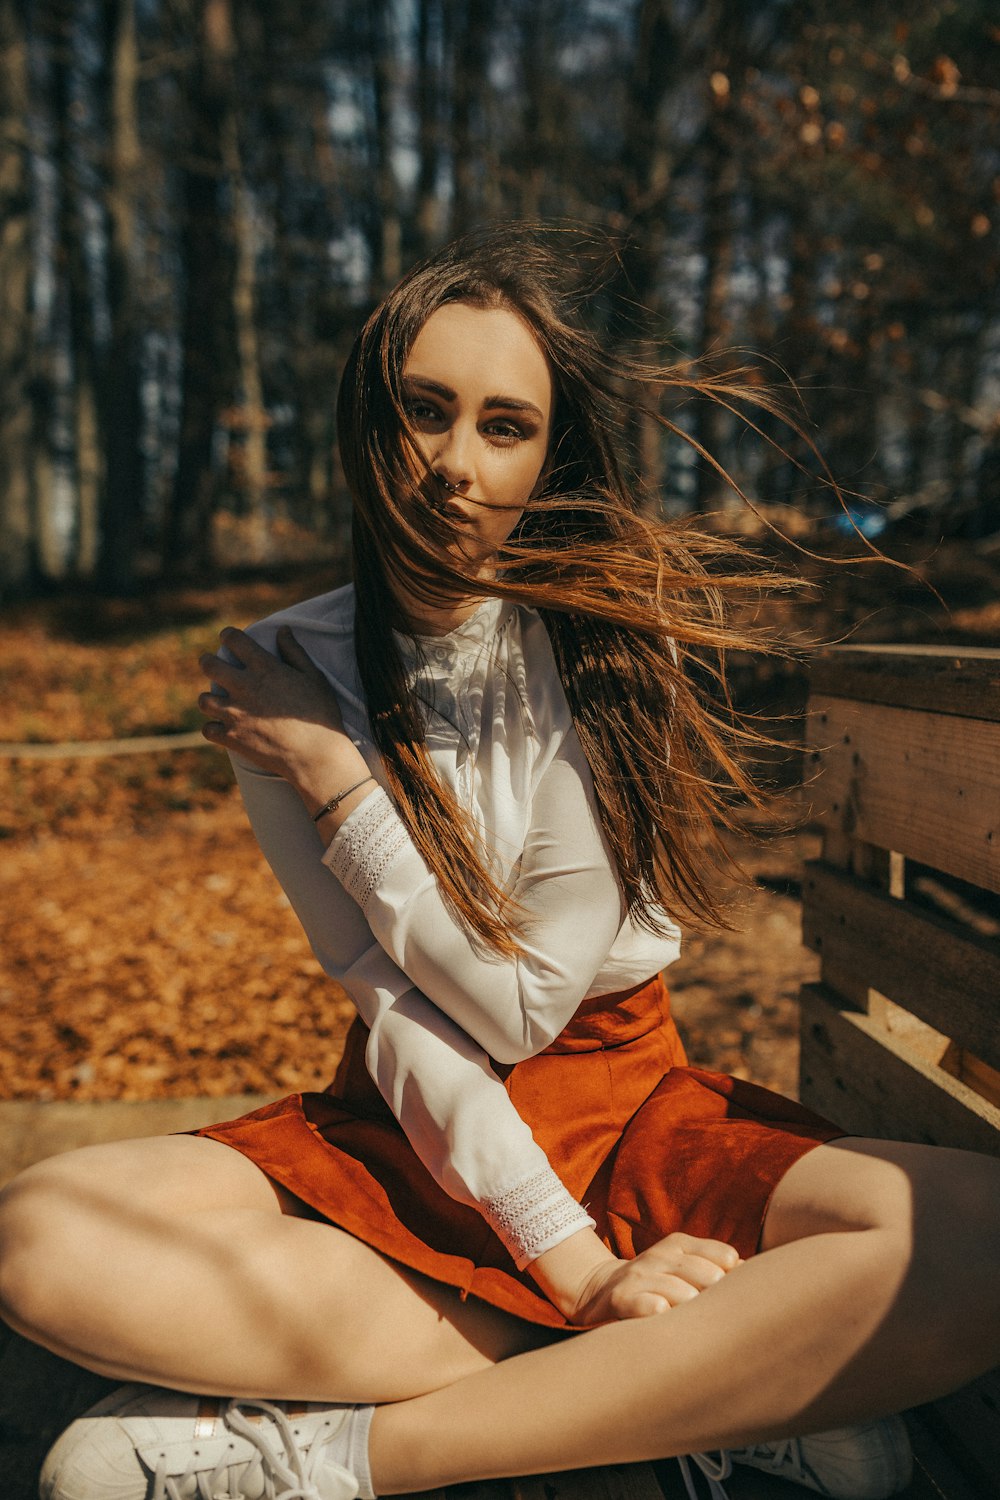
(936, 1473)
(871, 1083)
(943, 679)
(967, 1426)
(613, 1482)
(948, 977)
(922, 784)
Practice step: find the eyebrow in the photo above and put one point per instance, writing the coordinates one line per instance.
(492, 403)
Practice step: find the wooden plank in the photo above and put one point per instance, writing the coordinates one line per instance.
(924, 785)
(31, 1129)
(936, 1475)
(743, 1484)
(943, 679)
(967, 1425)
(612, 1482)
(947, 976)
(872, 1083)
(40, 1394)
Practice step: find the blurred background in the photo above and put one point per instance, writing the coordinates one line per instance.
(200, 200)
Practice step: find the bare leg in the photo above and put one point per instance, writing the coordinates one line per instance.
(878, 1287)
(890, 1296)
(177, 1262)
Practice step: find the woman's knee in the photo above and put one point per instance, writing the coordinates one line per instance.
(41, 1228)
(909, 1191)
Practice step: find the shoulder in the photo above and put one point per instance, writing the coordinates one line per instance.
(324, 625)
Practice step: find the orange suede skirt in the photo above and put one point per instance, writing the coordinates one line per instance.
(648, 1143)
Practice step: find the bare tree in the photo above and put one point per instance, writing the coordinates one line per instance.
(120, 400)
(18, 555)
(207, 280)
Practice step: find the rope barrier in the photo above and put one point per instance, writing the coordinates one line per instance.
(141, 744)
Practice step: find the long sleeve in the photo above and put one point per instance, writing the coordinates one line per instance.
(438, 1082)
(565, 893)
(438, 1009)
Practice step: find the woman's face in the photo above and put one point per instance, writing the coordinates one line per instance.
(478, 396)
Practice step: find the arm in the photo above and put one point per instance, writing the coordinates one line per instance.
(279, 712)
(565, 891)
(440, 1085)
(283, 717)
(437, 1081)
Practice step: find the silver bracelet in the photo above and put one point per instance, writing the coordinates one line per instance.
(335, 802)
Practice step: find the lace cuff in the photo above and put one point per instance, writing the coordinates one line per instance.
(365, 845)
(534, 1216)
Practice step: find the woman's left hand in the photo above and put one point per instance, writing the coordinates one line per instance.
(279, 712)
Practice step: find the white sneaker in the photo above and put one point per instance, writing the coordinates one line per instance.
(868, 1462)
(714, 1467)
(143, 1443)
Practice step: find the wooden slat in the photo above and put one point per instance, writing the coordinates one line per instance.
(930, 966)
(40, 1394)
(872, 1083)
(743, 1484)
(925, 785)
(613, 1482)
(944, 679)
(32, 1129)
(936, 1475)
(967, 1425)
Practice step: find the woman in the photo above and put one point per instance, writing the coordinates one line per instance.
(517, 1234)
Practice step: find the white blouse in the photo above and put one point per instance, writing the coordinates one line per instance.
(438, 1007)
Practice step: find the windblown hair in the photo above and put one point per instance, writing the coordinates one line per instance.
(637, 609)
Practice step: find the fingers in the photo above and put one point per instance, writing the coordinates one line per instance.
(680, 1266)
(294, 654)
(237, 644)
(726, 1257)
(243, 646)
(642, 1305)
(248, 654)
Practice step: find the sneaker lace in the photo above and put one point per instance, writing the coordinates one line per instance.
(292, 1471)
(779, 1453)
(714, 1469)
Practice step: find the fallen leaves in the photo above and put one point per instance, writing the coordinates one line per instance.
(142, 965)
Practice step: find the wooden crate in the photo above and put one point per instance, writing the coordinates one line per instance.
(901, 1036)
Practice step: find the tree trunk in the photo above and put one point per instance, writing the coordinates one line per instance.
(253, 465)
(429, 83)
(647, 170)
(87, 462)
(387, 236)
(720, 175)
(120, 398)
(207, 278)
(469, 28)
(18, 555)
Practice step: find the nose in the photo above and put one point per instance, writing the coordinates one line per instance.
(452, 461)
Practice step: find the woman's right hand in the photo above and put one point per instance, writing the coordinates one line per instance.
(599, 1288)
(672, 1271)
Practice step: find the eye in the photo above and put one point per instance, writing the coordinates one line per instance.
(423, 413)
(505, 431)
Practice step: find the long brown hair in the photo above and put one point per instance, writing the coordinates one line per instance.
(636, 608)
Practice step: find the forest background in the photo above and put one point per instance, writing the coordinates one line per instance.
(200, 200)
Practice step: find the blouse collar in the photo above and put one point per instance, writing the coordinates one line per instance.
(440, 653)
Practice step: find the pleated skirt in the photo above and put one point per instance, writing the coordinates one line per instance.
(648, 1143)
